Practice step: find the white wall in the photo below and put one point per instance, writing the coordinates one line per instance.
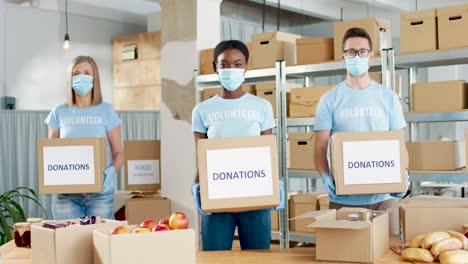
(36, 63)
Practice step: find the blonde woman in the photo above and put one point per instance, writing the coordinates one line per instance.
(86, 115)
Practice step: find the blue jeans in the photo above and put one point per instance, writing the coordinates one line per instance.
(70, 206)
(254, 228)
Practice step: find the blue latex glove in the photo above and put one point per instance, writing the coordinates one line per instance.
(196, 198)
(109, 172)
(401, 195)
(282, 196)
(329, 183)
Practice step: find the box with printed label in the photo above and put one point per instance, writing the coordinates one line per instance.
(436, 155)
(379, 31)
(422, 215)
(304, 101)
(451, 25)
(207, 93)
(268, 47)
(238, 174)
(174, 246)
(71, 245)
(142, 165)
(267, 91)
(71, 165)
(368, 162)
(301, 151)
(303, 203)
(444, 96)
(138, 209)
(314, 50)
(418, 31)
(339, 239)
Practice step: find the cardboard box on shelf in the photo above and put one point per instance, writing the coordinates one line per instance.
(422, 215)
(142, 165)
(314, 50)
(238, 174)
(436, 155)
(451, 25)
(267, 90)
(71, 165)
(207, 93)
(356, 241)
(140, 208)
(368, 162)
(304, 101)
(71, 245)
(418, 31)
(301, 204)
(301, 151)
(274, 220)
(164, 247)
(268, 47)
(442, 96)
(379, 30)
(206, 61)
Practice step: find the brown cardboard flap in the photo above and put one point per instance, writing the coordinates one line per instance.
(308, 198)
(316, 215)
(418, 16)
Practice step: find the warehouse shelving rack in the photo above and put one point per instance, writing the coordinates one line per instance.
(388, 63)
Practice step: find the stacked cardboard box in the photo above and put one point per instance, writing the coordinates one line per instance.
(268, 47)
(314, 50)
(304, 101)
(442, 96)
(436, 155)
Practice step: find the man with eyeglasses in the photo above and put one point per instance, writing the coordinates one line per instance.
(358, 104)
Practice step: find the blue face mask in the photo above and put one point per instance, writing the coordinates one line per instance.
(357, 66)
(82, 84)
(231, 79)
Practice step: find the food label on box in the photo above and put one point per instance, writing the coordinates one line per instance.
(68, 165)
(143, 171)
(371, 162)
(238, 173)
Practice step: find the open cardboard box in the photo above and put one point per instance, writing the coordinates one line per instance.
(71, 245)
(338, 239)
(174, 246)
(422, 215)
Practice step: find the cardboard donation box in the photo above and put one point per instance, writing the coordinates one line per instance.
(71, 245)
(238, 174)
(451, 24)
(339, 239)
(177, 246)
(138, 209)
(303, 203)
(368, 162)
(425, 214)
(142, 165)
(71, 165)
(304, 101)
(301, 151)
(444, 96)
(314, 50)
(379, 31)
(418, 31)
(436, 155)
(268, 47)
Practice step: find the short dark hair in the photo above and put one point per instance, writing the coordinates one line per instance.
(227, 45)
(356, 32)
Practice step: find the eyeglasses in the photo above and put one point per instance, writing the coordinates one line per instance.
(351, 53)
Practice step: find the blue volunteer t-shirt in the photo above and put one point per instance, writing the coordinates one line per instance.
(248, 115)
(344, 109)
(93, 121)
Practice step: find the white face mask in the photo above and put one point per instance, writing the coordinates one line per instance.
(232, 78)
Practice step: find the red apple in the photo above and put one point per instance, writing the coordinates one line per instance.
(164, 221)
(178, 220)
(141, 230)
(120, 230)
(161, 227)
(148, 223)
